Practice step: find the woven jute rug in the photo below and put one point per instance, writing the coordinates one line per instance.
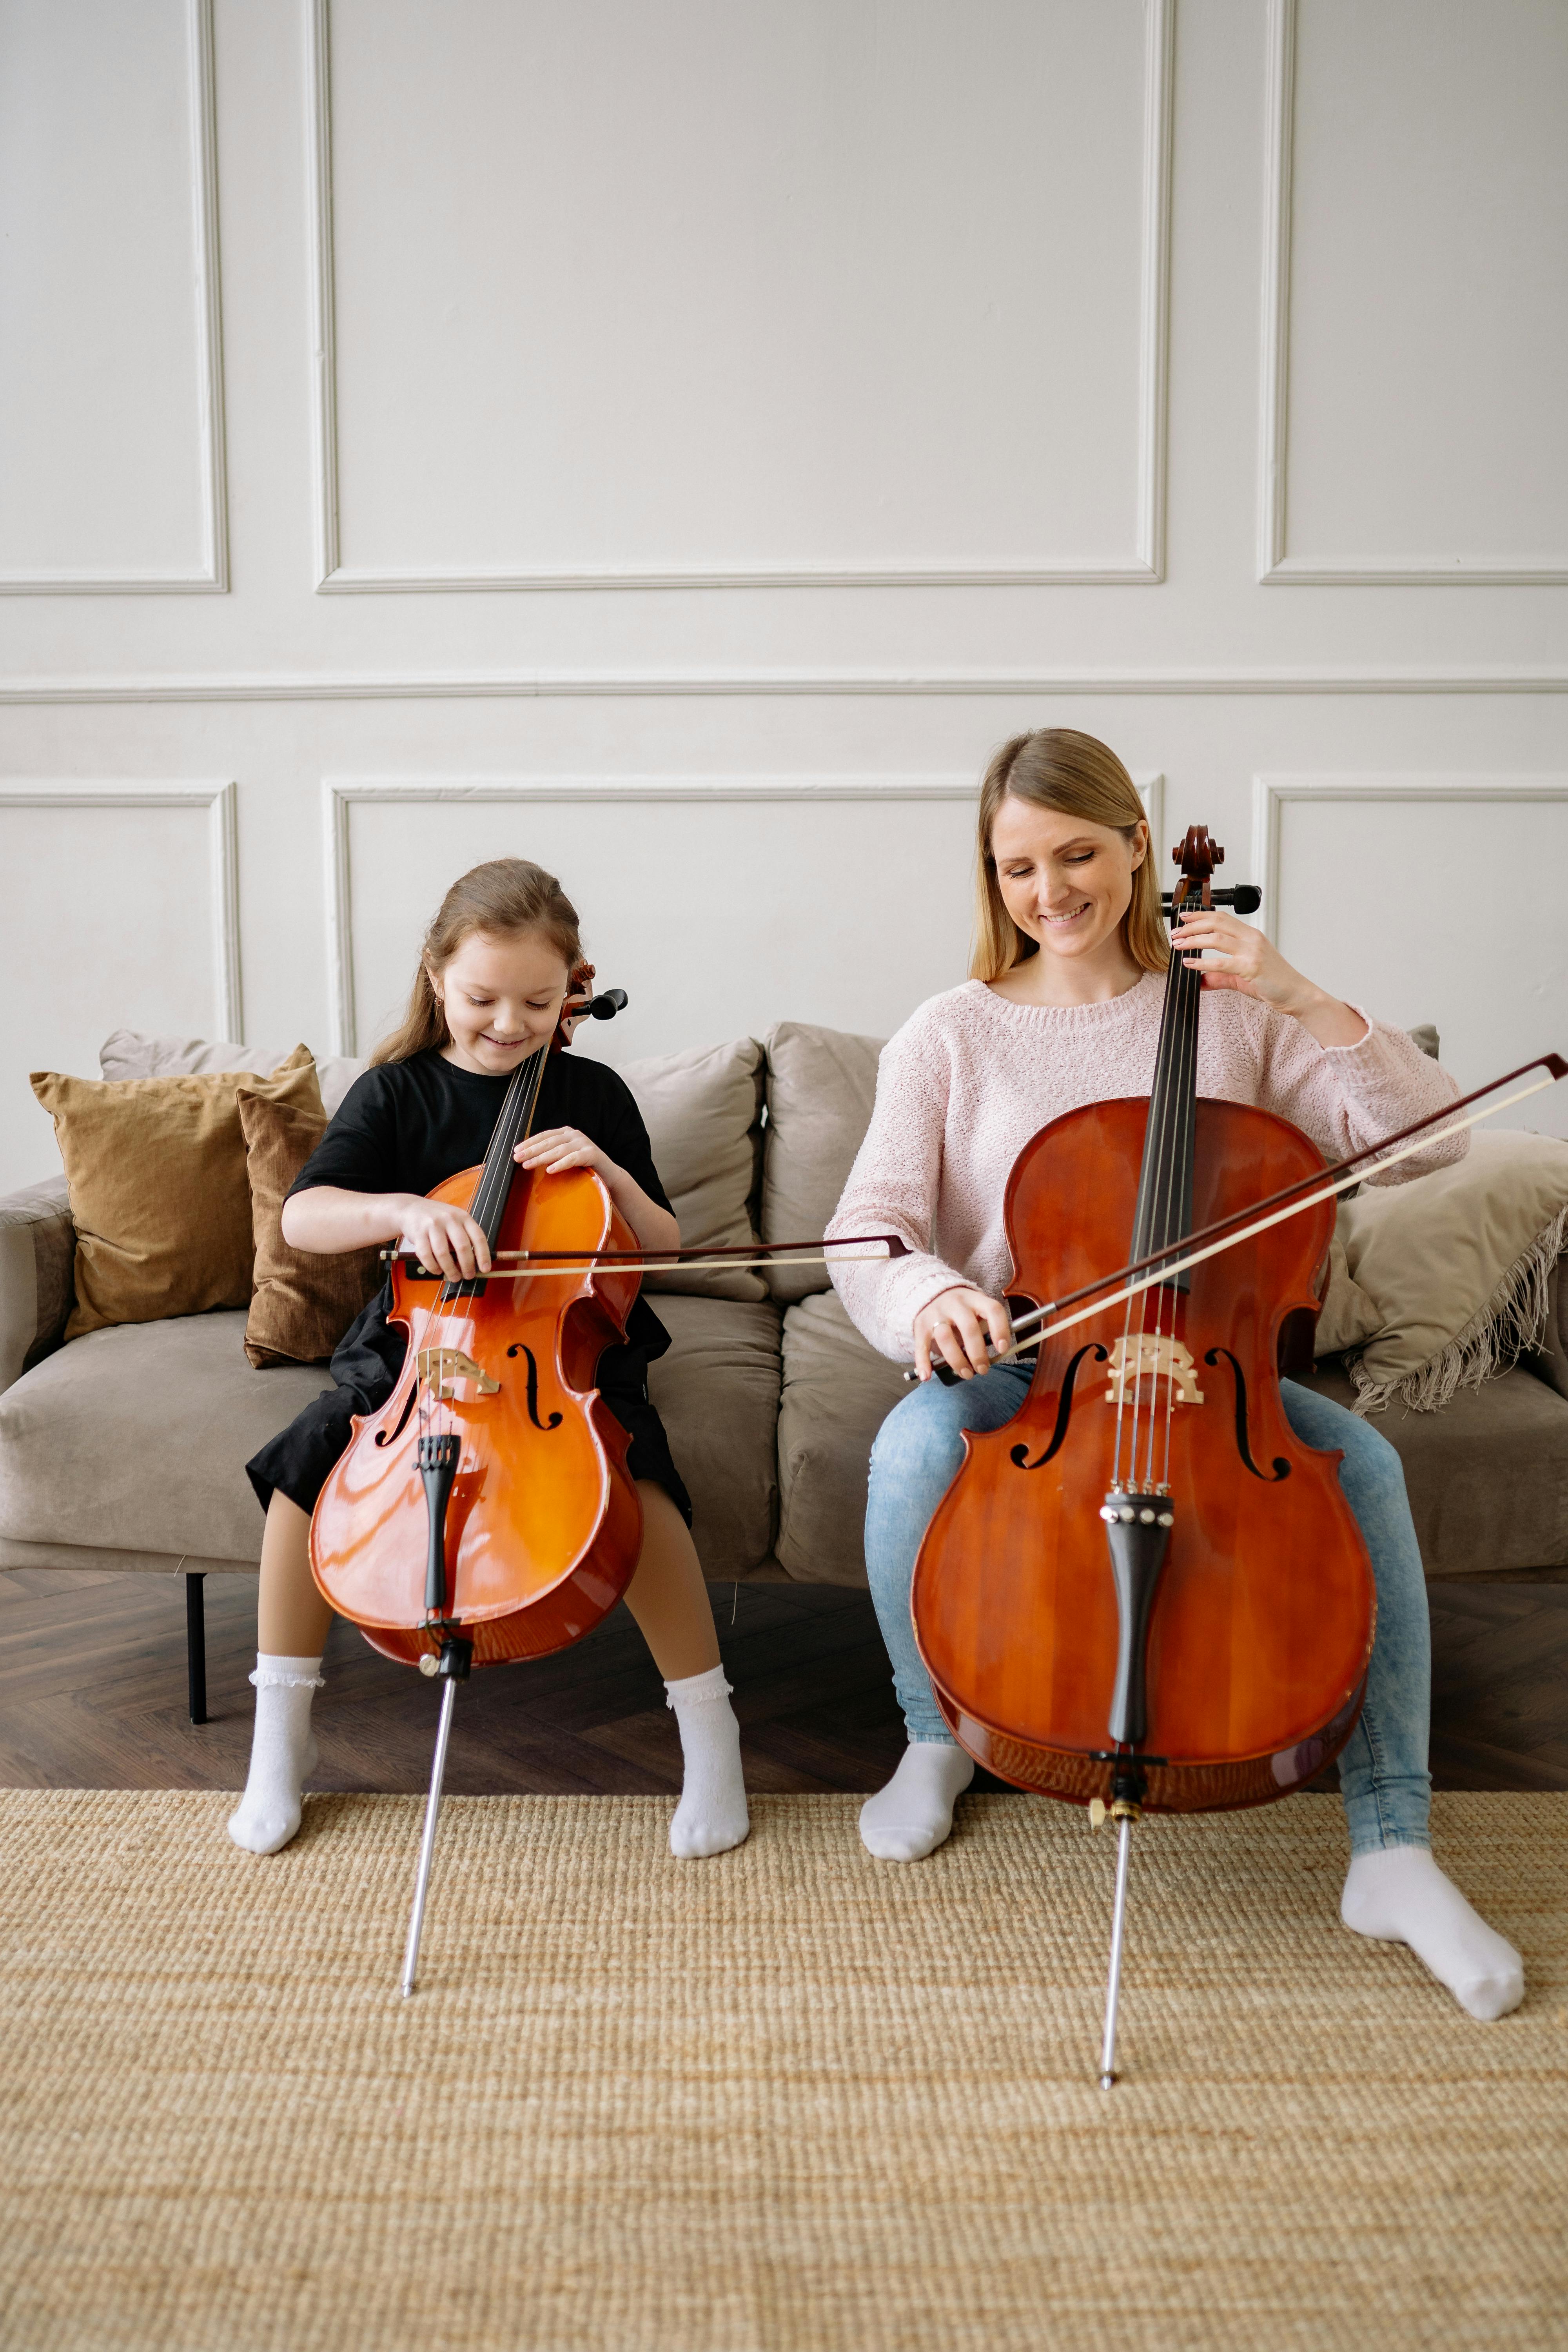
(790, 2098)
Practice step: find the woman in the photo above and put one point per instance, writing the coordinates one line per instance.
(1064, 1009)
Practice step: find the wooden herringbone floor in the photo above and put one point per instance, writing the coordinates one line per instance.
(92, 1694)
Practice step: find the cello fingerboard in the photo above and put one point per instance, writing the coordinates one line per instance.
(515, 1120)
(1165, 1211)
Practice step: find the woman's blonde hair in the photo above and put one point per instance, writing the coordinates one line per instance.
(1057, 767)
(508, 896)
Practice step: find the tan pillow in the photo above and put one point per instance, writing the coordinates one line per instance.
(137, 1054)
(303, 1301)
(158, 1189)
(1446, 1280)
(703, 1114)
(822, 1083)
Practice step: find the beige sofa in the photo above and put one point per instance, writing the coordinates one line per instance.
(126, 1448)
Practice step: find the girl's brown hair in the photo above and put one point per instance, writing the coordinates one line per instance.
(1057, 767)
(508, 896)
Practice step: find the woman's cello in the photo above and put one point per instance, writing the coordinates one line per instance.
(1144, 1589)
(485, 1513)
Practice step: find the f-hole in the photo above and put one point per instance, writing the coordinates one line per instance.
(391, 1436)
(1020, 1454)
(522, 1347)
(1243, 1444)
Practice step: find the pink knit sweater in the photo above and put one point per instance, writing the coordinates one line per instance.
(970, 1077)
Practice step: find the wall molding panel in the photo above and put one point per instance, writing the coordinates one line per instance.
(1146, 567)
(341, 795)
(509, 686)
(1276, 566)
(219, 800)
(212, 578)
(1271, 793)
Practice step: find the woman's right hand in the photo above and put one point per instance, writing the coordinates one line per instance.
(444, 1237)
(954, 1325)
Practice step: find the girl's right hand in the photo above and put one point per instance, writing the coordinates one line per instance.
(956, 1322)
(444, 1237)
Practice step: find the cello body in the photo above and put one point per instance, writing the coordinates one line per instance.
(543, 1523)
(1145, 1581)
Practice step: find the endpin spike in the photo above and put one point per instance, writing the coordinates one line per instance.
(452, 1666)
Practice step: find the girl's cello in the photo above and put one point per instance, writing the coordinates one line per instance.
(1144, 1589)
(485, 1513)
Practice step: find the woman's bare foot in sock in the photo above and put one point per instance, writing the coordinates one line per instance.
(282, 1754)
(913, 1814)
(1398, 1895)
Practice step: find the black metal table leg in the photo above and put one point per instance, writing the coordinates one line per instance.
(197, 1642)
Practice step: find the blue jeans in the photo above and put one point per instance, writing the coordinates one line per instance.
(1382, 1768)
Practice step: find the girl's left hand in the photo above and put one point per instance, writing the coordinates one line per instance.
(1233, 954)
(558, 1148)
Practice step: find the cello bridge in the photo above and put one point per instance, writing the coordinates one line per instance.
(439, 1367)
(1152, 1352)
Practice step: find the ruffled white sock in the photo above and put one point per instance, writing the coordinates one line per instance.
(282, 1753)
(913, 1814)
(712, 1815)
(1398, 1895)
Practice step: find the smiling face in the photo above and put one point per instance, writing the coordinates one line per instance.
(1066, 883)
(502, 997)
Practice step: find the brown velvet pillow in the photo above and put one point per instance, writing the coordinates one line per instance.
(158, 1190)
(303, 1301)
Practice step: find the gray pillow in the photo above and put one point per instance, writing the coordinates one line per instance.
(822, 1083)
(135, 1054)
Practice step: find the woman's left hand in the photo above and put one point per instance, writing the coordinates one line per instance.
(558, 1148)
(1232, 954)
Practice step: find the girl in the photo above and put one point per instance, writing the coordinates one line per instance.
(492, 977)
(1064, 1009)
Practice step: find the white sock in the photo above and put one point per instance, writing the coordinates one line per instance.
(913, 1814)
(1398, 1895)
(282, 1753)
(712, 1815)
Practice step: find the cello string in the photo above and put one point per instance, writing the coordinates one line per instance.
(1153, 1135)
(1195, 998)
(1152, 1124)
(1169, 1163)
(1193, 990)
(1158, 1155)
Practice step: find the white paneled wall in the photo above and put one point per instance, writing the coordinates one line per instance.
(1419, 188)
(115, 894)
(110, 390)
(680, 443)
(657, 290)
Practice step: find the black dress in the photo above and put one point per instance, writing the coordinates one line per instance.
(406, 1128)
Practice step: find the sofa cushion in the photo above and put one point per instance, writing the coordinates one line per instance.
(703, 1112)
(837, 1391)
(136, 1054)
(1488, 1475)
(159, 1196)
(717, 1392)
(303, 1300)
(822, 1083)
(1550, 1360)
(138, 1437)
